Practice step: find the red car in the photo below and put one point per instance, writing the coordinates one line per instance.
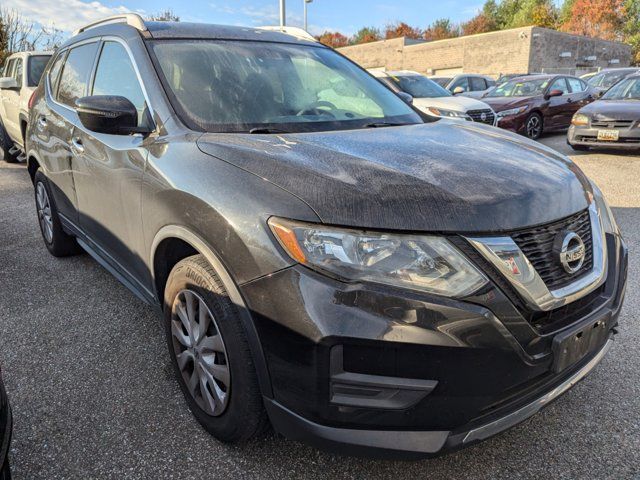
(539, 103)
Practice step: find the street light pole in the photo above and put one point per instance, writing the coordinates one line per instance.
(305, 14)
(283, 16)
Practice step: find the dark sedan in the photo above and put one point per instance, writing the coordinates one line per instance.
(535, 104)
(611, 122)
(5, 432)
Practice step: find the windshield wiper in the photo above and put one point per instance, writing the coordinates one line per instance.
(266, 130)
(383, 124)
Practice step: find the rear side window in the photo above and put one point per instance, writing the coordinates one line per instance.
(75, 74)
(491, 83)
(477, 84)
(17, 71)
(37, 65)
(115, 75)
(7, 68)
(576, 85)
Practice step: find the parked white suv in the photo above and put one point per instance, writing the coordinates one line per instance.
(432, 99)
(20, 76)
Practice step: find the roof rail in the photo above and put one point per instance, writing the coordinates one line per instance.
(293, 31)
(132, 19)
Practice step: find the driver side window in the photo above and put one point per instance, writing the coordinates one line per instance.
(560, 84)
(115, 75)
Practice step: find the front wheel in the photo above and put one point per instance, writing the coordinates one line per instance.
(210, 353)
(533, 126)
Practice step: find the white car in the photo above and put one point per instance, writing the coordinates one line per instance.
(432, 99)
(20, 76)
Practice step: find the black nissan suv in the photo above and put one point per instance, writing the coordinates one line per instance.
(323, 259)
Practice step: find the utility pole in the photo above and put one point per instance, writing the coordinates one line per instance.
(305, 14)
(283, 15)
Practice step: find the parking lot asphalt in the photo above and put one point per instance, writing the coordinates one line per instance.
(93, 393)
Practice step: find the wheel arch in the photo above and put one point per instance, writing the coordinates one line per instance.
(33, 164)
(180, 242)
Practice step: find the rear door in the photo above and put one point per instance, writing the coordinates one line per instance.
(109, 168)
(477, 84)
(66, 82)
(580, 94)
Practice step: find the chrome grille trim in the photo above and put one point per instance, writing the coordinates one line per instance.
(530, 285)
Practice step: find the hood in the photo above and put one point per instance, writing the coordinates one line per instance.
(457, 103)
(504, 103)
(613, 110)
(440, 176)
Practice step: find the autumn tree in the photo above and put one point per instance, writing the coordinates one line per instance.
(401, 29)
(597, 18)
(333, 39)
(366, 35)
(441, 29)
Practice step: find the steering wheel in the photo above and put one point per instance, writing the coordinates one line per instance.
(315, 109)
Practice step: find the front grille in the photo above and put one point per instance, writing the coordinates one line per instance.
(611, 123)
(537, 245)
(476, 116)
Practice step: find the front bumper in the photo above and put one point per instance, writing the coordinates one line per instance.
(367, 369)
(588, 137)
(418, 444)
(514, 123)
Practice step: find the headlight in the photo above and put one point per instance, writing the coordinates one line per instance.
(420, 262)
(512, 111)
(441, 112)
(608, 220)
(580, 120)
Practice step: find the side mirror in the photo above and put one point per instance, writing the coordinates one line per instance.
(406, 98)
(554, 93)
(458, 90)
(8, 83)
(109, 114)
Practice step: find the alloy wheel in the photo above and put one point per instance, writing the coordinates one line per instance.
(534, 126)
(44, 212)
(200, 352)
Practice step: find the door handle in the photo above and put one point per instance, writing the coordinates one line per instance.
(42, 123)
(76, 145)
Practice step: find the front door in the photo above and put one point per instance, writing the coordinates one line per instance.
(559, 109)
(109, 169)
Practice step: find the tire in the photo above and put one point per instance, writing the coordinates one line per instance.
(5, 145)
(55, 239)
(232, 412)
(533, 126)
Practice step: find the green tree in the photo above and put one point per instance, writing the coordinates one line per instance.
(4, 43)
(631, 28)
(366, 34)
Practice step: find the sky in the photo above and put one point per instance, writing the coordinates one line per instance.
(346, 16)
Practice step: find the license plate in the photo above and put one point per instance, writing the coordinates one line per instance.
(608, 135)
(570, 347)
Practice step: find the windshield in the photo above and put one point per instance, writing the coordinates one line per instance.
(420, 87)
(520, 88)
(608, 78)
(263, 87)
(37, 65)
(628, 89)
